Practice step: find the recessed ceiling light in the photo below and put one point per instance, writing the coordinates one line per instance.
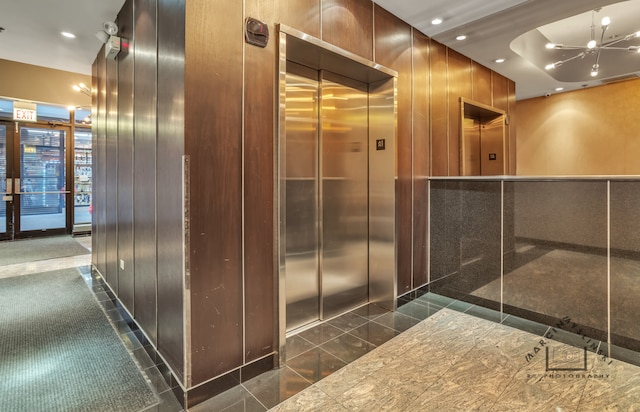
(68, 35)
(559, 89)
(500, 60)
(437, 20)
(461, 37)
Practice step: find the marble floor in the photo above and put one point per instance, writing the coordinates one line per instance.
(432, 354)
(444, 355)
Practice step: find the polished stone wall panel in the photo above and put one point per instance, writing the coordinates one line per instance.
(625, 264)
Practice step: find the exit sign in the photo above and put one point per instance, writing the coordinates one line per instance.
(22, 114)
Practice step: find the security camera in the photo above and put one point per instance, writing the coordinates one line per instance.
(547, 94)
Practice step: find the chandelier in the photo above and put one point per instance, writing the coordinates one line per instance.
(593, 48)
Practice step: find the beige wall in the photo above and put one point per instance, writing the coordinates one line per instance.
(593, 131)
(39, 84)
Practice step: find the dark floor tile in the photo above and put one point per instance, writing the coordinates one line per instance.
(121, 327)
(622, 354)
(397, 321)
(235, 399)
(297, 345)
(273, 387)
(418, 311)
(370, 311)
(347, 322)
(107, 305)
(485, 313)
(143, 359)
(459, 306)
(157, 380)
(432, 298)
(572, 339)
(347, 347)
(101, 296)
(168, 403)
(130, 341)
(315, 364)
(525, 325)
(321, 333)
(374, 333)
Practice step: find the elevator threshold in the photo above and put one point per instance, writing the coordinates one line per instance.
(308, 326)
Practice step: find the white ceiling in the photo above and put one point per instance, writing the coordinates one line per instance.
(32, 34)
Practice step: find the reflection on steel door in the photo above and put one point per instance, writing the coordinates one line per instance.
(326, 185)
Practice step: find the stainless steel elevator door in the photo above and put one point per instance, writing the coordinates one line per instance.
(326, 192)
(344, 194)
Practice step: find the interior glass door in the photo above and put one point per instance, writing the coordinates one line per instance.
(5, 184)
(82, 178)
(42, 166)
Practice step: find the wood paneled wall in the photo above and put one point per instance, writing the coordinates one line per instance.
(213, 110)
(124, 195)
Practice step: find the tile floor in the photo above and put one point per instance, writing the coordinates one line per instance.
(433, 353)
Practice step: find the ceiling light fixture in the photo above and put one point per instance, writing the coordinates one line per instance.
(559, 89)
(68, 35)
(436, 21)
(593, 47)
(500, 60)
(461, 37)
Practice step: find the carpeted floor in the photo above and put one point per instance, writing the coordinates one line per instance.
(54, 337)
(12, 252)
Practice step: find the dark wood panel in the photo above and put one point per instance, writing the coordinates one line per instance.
(94, 145)
(111, 165)
(124, 186)
(481, 83)
(169, 201)
(261, 326)
(500, 91)
(511, 128)
(303, 15)
(439, 109)
(144, 208)
(393, 50)
(213, 141)
(459, 73)
(100, 170)
(348, 24)
(420, 157)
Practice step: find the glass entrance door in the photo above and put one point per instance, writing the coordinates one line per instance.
(42, 195)
(6, 134)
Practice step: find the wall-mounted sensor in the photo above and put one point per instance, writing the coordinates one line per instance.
(256, 32)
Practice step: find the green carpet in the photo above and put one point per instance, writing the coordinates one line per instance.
(31, 250)
(58, 351)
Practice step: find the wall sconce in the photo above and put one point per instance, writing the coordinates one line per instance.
(82, 88)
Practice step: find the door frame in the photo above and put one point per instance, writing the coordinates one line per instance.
(68, 155)
(10, 137)
(301, 48)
